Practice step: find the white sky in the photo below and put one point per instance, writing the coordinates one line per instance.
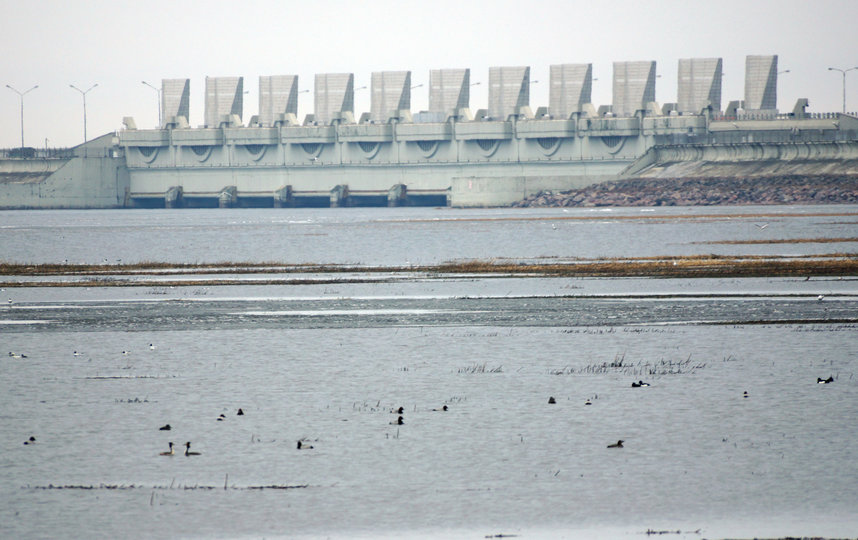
(119, 43)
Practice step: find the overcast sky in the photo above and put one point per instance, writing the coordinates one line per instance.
(117, 44)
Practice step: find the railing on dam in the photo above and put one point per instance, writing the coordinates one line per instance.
(28, 152)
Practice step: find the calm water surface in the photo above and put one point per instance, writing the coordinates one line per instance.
(327, 363)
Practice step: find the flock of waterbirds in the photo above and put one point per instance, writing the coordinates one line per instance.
(400, 411)
(642, 384)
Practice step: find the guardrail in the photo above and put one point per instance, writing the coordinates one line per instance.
(781, 116)
(29, 152)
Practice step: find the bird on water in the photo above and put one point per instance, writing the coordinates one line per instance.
(302, 446)
(165, 427)
(618, 444)
(188, 450)
(170, 453)
(829, 380)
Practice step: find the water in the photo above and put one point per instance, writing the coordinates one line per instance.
(327, 362)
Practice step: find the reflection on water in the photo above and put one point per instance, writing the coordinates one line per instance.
(326, 364)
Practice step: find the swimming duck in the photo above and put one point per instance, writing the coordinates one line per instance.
(221, 418)
(170, 453)
(619, 444)
(829, 380)
(13, 355)
(239, 413)
(551, 400)
(745, 394)
(444, 408)
(165, 427)
(398, 411)
(588, 402)
(188, 450)
(31, 440)
(399, 422)
(639, 384)
(302, 446)
(151, 347)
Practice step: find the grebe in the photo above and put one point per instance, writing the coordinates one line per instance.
(188, 450)
(170, 453)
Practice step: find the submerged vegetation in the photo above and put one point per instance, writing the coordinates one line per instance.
(150, 274)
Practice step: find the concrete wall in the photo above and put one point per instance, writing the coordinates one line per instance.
(391, 93)
(571, 88)
(509, 89)
(224, 97)
(334, 93)
(449, 90)
(93, 179)
(175, 99)
(748, 160)
(633, 87)
(278, 94)
(699, 84)
(761, 82)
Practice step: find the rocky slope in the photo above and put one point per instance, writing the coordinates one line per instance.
(787, 189)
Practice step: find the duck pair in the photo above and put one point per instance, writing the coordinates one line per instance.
(829, 380)
(187, 451)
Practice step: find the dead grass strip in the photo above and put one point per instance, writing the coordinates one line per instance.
(782, 241)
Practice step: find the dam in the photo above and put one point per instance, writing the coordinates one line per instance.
(449, 155)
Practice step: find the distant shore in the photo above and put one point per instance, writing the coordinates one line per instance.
(710, 191)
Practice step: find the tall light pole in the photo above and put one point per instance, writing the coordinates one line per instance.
(844, 72)
(83, 93)
(158, 90)
(21, 96)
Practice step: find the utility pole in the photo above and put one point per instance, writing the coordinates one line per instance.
(21, 96)
(83, 93)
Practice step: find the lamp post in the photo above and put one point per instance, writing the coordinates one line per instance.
(83, 94)
(843, 72)
(158, 90)
(21, 96)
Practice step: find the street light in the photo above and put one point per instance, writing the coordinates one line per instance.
(21, 96)
(844, 72)
(158, 90)
(83, 93)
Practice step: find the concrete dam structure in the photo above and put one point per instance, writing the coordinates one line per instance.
(447, 155)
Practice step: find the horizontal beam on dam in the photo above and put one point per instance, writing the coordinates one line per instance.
(502, 161)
